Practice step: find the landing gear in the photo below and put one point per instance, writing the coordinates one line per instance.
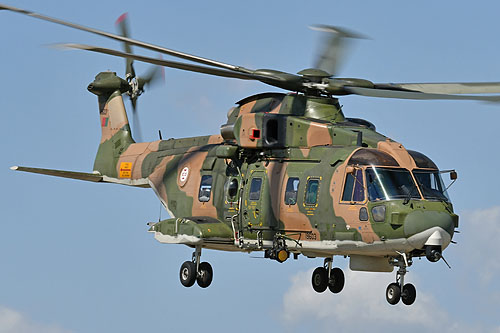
(320, 279)
(187, 273)
(328, 277)
(398, 290)
(193, 270)
(409, 294)
(205, 275)
(393, 293)
(337, 280)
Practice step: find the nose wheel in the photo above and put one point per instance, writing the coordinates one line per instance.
(398, 290)
(194, 271)
(328, 277)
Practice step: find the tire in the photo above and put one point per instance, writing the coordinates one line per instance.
(205, 275)
(393, 293)
(187, 273)
(319, 279)
(409, 294)
(337, 280)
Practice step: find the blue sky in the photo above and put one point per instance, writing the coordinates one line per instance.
(76, 256)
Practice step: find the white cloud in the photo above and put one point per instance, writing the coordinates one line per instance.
(362, 305)
(359, 306)
(479, 242)
(12, 321)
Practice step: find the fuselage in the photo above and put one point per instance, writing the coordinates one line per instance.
(289, 169)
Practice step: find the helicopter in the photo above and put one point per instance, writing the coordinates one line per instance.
(289, 174)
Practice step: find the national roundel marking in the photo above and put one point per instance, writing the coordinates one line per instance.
(184, 176)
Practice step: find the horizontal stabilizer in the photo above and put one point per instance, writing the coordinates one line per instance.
(91, 177)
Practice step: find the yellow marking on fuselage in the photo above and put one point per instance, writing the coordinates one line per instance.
(125, 170)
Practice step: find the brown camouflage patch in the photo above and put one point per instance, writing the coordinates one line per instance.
(318, 135)
(247, 107)
(399, 153)
(113, 117)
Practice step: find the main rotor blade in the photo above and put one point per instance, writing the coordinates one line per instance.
(274, 78)
(446, 88)
(415, 95)
(334, 47)
(167, 63)
(131, 41)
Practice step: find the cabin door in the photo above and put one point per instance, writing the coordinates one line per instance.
(254, 205)
(231, 198)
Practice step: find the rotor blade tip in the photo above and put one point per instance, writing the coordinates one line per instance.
(58, 46)
(338, 30)
(121, 18)
(64, 46)
(15, 167)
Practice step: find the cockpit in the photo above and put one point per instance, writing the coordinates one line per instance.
(375, 175)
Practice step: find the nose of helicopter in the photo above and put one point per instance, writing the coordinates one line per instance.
(429, 228)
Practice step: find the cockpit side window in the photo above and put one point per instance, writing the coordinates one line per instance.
(354, 189)
(431, 184)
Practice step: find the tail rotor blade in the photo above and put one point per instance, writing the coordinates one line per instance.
(135, 121)
(153, 76)
(123, 29)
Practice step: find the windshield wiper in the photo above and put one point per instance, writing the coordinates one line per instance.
(407, 193)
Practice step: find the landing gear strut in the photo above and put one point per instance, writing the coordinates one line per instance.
(193, 270)
(328, 277)
(398, 290)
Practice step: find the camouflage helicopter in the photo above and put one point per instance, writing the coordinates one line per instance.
(288, 174)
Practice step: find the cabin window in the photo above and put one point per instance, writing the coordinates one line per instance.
(232, 189)
(255, 187)
(312, 189)
(205, 188)
(292, 187)
(354, 189)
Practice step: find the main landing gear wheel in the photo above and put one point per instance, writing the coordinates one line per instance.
(187, 273)
(205, 275)
(336, 281)
(328, 277)
(194, 271)
(398, 290)
(320, 279)
(393, 293)
(409, 294)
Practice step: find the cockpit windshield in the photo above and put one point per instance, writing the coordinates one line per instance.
(431, 184)
(390, 183)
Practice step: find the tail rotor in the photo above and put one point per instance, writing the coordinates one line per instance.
(137, 83)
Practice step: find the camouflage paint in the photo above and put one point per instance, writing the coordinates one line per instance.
(303, 137)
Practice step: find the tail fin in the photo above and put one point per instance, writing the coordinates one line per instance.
(116, 135)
